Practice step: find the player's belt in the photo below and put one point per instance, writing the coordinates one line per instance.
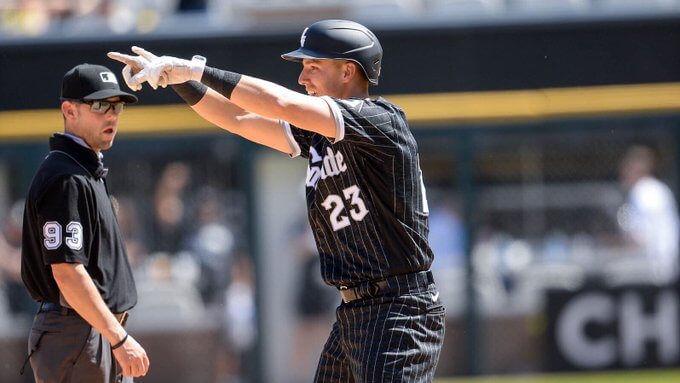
(370, 290)
(402, 283)
(49, 306)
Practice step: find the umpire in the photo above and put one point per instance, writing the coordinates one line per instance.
(74, 260)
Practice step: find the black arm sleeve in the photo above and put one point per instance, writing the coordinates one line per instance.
(221, 81)
(191, 91)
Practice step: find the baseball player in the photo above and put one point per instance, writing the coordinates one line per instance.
(365, 196)
(73, 255)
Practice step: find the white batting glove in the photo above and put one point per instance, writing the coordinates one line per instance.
(136, 64)
(127, 76)
(175, 70)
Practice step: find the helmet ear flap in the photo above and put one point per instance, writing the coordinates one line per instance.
(377, 67)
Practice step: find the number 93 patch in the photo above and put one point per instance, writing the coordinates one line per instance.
(54, 235)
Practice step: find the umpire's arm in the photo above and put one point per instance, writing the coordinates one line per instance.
(82, 295)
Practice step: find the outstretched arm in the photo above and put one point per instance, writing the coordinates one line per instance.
(275, 101)
(264, 131)
(255, 95)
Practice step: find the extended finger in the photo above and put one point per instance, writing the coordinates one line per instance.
(126, 59)
(144, 53)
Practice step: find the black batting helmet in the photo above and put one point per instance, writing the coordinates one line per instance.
(340, 39)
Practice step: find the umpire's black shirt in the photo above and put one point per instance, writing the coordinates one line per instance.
(69, 218)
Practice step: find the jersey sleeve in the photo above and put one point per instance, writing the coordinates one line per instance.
(368, 123)
(300, 140)
(65, 221)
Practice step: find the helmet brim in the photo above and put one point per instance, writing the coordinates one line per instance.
(302, 53)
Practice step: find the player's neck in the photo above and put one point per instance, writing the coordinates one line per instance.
(355, 91)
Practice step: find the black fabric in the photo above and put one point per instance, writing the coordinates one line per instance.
(191, 91)
(69, 217)
(314, 297)
(92, 82)
(65, 348)
(221, 81)
(391, 338)
(366, 201)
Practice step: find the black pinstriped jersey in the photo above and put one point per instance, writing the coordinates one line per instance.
(365, 196)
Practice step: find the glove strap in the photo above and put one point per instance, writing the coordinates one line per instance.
(197, 67)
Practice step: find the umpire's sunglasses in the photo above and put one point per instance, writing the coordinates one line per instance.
(101, 107)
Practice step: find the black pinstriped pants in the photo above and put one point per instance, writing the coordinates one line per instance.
(392, 338)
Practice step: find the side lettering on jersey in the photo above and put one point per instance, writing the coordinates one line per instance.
(335, 204)
(329, 165)
(52, 233)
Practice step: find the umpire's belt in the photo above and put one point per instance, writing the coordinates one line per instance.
(402, 283)
(49, 306)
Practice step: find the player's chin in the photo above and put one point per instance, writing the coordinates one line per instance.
(107, 142)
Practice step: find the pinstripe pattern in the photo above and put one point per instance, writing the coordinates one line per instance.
(368, 211)
(378, 156)
(385, 339)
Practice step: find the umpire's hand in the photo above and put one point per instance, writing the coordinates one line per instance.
(132, 358)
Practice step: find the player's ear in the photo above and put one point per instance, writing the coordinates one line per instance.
(349, 71)
(69, 110)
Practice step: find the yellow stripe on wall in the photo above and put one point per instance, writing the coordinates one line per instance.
(135, 119)
(441, 109)
(526, 105)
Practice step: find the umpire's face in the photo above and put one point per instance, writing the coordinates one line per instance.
(95, 122)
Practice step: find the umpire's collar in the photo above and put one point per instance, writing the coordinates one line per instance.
(85, 156)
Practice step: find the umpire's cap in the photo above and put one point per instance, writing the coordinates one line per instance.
(90, 82)
(340, 39)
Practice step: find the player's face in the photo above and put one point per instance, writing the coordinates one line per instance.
(96, 128)
(323, 77)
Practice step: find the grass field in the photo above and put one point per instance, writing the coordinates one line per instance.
(647, 376)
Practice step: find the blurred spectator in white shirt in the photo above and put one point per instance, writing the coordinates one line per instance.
(649, 218)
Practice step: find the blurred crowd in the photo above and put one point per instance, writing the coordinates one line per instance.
(71, 17)
(190, 258)
(90, 18)
(513, 272)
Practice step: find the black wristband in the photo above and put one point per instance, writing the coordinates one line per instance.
(191, 91)
(117, 345)
(221, 81)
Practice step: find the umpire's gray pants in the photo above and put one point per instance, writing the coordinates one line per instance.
(65, 348)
